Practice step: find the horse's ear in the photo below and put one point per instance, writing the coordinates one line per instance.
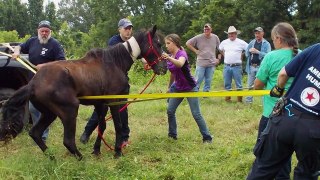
(154, 29)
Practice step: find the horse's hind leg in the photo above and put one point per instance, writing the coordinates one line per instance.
(37, 130)
(101, 111)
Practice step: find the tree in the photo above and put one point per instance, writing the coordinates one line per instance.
(13, 16)
(77, 13)
(50, 15)
(307, 21)
(35, 11)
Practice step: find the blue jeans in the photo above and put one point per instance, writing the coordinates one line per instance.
(195, 110)
(251, 77)
(205, 73)
(35, 116)
(234, 72)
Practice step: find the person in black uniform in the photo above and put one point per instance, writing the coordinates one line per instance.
(125, 32)
(41, 49)
(295, 122)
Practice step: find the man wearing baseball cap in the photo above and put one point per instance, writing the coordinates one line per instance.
(41, 49)
(125, 32)
(255, 53)
(204, 46)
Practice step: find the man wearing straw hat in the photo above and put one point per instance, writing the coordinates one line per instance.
(41, 49)
(232, 49)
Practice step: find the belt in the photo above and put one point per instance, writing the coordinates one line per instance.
(290, 111)
(254, 65)
(233, 65)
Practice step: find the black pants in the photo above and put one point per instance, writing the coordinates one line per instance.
(284, 172)
(283, 136)
(94, 121)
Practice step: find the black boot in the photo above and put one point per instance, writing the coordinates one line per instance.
(84, 138)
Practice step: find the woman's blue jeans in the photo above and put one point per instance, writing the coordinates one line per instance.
(195, 110)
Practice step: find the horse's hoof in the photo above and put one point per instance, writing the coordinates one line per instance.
(117, 155)
(97, 153)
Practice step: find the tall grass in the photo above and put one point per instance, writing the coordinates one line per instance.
(151, 154)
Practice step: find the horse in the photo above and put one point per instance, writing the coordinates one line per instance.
(55, 88)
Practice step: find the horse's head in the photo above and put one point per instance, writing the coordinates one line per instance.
(150, 46)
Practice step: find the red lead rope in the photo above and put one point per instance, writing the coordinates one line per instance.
(122, 109)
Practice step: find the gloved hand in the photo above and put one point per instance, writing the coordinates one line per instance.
(276, 91)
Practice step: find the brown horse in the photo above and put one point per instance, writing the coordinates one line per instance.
(55, 89)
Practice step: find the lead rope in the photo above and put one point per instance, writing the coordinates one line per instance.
(120, 110)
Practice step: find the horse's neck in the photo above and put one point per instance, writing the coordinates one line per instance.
(134, 46)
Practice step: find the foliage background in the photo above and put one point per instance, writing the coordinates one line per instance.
(84, 24)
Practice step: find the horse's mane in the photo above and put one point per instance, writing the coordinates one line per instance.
(116, 54)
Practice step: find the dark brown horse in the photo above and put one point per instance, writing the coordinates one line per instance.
(55, 89)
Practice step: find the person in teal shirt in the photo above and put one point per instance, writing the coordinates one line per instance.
(285, 42)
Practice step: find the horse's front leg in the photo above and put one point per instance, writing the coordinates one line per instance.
(37, 130)
(118, 128)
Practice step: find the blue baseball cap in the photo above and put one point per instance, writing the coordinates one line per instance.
(124, 23)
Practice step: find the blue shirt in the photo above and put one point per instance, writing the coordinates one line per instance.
(304, 91)
(265, 48)
(42, 53)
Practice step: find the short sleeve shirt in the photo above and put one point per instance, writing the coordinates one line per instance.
(183, 79)
(268, 72)
(304, 91)
(207, 49)
(233, 50)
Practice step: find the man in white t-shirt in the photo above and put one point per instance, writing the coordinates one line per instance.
(232, 49)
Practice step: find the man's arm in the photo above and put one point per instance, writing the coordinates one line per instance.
(59, 55)
(192, 48)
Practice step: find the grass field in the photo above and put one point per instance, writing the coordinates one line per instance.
(151, 154)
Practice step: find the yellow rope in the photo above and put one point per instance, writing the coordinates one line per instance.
(180, 95)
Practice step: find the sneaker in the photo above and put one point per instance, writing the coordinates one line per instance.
(173, 137)
(207, 141)
(84, 138)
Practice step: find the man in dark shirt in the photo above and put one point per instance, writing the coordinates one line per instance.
(41, 49)
(125, 32)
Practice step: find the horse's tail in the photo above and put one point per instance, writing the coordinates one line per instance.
(13, 112)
